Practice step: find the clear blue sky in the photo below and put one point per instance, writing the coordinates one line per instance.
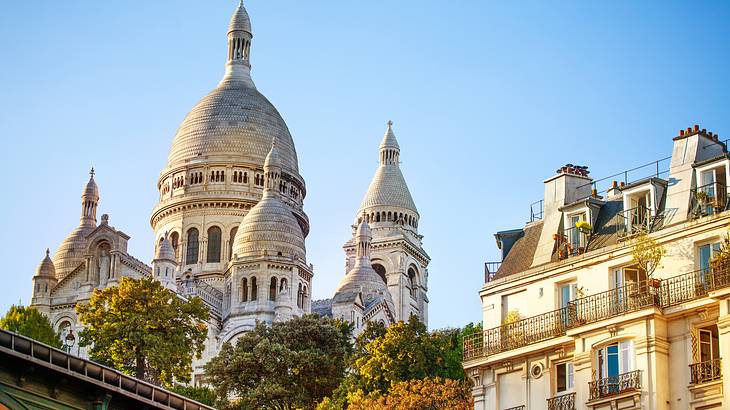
(488, 99)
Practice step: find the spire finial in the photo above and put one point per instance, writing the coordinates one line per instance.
(48, 252)
(92, 172)
(240, 3)
(390, 123)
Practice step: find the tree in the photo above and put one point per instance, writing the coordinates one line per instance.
(200, 394)
(29, 322)
(144, 329)
(427, 394)
(647, 253)
(286, 365)
(406, 351)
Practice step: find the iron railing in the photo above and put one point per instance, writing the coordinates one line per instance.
(536, 211)
(704, 372)
(628, 298)
(631, 297)
(634, 221)
(573, 241)
(613, 385)
(526, 331)
(562, 402)
(520, 407)
(707, 200)
(490, 270)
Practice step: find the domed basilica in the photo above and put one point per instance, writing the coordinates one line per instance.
(230, 225)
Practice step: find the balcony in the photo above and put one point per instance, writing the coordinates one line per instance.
(632, 297)
(613, 385)
(490, 270)
(562, 402)
(520, 407)
(705, 372)
(573, 241)
(634, 221)
(708, 200)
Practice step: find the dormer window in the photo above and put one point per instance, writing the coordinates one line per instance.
(576, 234)
(710, 195)
(641, 203)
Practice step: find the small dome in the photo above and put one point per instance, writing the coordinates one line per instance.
(269, 227)
(165, 250)
(272, 158)
(389, 140)
(70, 254)
(91, 190)
(240, 20)
(46, 269)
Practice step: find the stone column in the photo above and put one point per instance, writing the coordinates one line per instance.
(582, 375)
(723, 328)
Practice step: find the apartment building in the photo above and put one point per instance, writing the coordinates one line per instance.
(571, 322)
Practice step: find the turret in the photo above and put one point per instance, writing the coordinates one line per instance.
(238, 65)
(89, 201)
(164, 265)
(44, 281)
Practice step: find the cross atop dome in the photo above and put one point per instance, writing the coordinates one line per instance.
(92, 173)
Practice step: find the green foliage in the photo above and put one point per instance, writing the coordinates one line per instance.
(31, 323)
(200, 394)
(145, 330)
(286, 365)
(406, 351)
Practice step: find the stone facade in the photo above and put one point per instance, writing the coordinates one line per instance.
(571, 322)
(230, 226)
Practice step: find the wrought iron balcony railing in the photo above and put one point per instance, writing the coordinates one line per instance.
(632, 297)
(573, 241)
(613, 385)
(562, 402)
(631, 222)
(520, 407)
(525, 331)
(490, 270)
(707, 200)
(704, 372)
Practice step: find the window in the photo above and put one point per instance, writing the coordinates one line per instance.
(191, 256)
(706, 253)
(244, 290)
(230, 242)
(615, 359)
(567, 292)
(214, 245)
(299, 296)
(628, 281)
(576, 238)
(272, 289)
(412, 283)
(638, 214)
(174, 240)
(254, 289)
(564, 377)
(709, 344)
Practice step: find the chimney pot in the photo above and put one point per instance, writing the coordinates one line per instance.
(681, 133)
(614, 185)
(697, 128)
(622, 184)
(689, 130)
(704, 131)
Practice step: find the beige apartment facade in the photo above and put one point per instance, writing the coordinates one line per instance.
(569, 320)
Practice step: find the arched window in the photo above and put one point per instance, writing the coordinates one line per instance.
(214, 244)
(304, 296)
(254, 289)
(299, 296)
(174, 240)
(245, 177)
(272, 289)
(191, 256)
(412, 282)
(377, 217)
(282, 285)
(380, 270)
(230, 242)
(244, 290)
